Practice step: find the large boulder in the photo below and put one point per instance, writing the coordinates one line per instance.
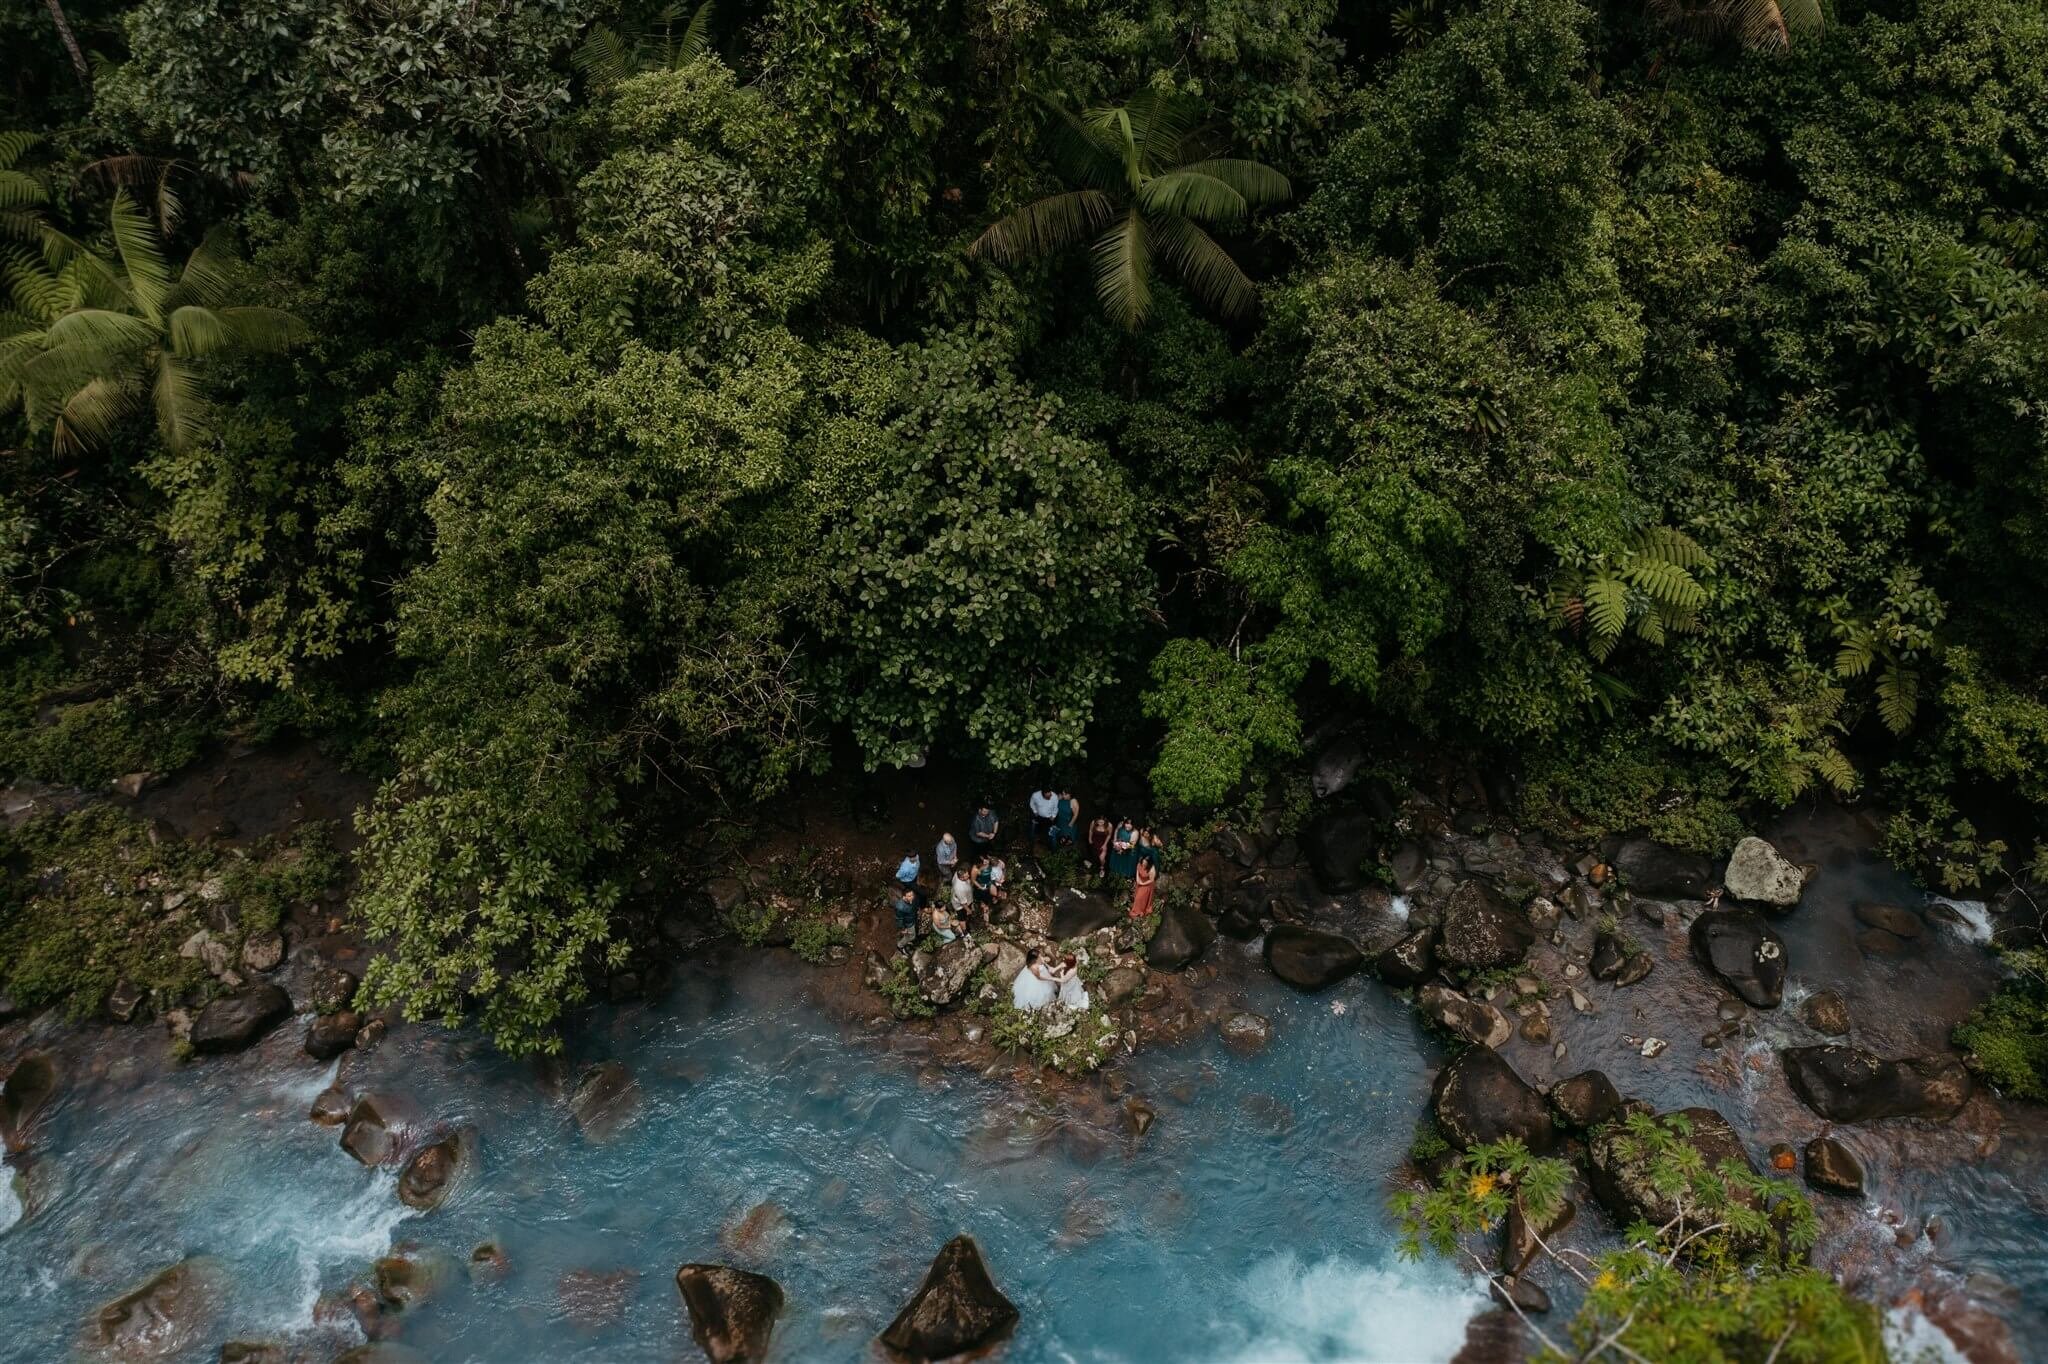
(1522, 1240)
(164, 1316)
(1621, 1179)
(1411, 960)
(1759, 872)
(732, 1312)
(1184, 933)
(239, 1020)
(943, 974)
(30, 1087)
(1470, 1020)
(956, 1309)
(1739, 947)
(333, 988)
(1335, 766)
(1480, 932)
(1239, 917)
(1847, 1084)
(1585, 1100)
(1661, 872)
(1077, 913)
(1308, 958)
(1478, 1098)
(605, 1099)
(1339, 844)
(329, 1035)
(1833, 1168)
(430, 1175)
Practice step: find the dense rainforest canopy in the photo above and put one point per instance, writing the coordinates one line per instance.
(585, 416)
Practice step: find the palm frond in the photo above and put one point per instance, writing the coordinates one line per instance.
(1045, 226)
(102, 329)
(1206, 268)
(1084, 154)
(183, 415)
(142, 258)
(1162, 121)
(1256, 184)
(263, 329)
(141, 172)
(88, 418)
(1188, 194)
(1123, 269)
(15, 144)
(208, 276)
(696, 39)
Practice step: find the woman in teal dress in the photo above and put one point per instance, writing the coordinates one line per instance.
(1123, 850)
(1151, 851)
(1063, 831)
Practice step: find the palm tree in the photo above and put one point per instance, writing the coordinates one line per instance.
(1143, 190)
(1752, 23)
(91, 341)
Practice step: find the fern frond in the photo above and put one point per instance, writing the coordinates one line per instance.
(1857, 654)
(1650, 627)
(1836, 770)
(1607, 606)
(1898, 697)
(1665, 582)
(1667, 545)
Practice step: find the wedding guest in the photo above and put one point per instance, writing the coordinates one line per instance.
(908, 870)
(1063, 831)
(1099, 832)
(983, 828)
(1045, 808)
(1142, 886)
(1123, 850)
(945, 857)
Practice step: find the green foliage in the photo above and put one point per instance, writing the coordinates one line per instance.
(1069, 1042)
(2007, 1037)
(89, 743)
(814, 935)
(899, 986)
(1218, 717)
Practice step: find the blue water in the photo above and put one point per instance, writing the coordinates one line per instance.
(1249, 1224)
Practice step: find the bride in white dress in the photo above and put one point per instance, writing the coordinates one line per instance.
(1033, 989)
(1067, 975)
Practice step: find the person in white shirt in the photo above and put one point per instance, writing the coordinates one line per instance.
(1045, 809)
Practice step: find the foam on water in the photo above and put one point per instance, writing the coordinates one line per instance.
(1910, 1338)
(1399, 907)
(324, 1240)
(1336, 1311)
(1971, 921)
(10, 1198)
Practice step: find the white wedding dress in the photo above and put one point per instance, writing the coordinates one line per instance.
(1072, 995)
(1031, 991)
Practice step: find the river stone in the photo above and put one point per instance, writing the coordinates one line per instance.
(1410, 961)
(1469, 1019)
(124, 1001)
(1076, 913)
(1759, 872)
(1245, 1032)
(253, 1352)
(1122, 983)
(605, 1099)
(30, 1087)
(732, 1312)
(239, 1020)
(1585, 1100)
(408, 1281)
(381, 1352)
(1659, 871)
(165, 1315)
(1903, 923)
(1335, 766)
(430, 1175)
(329, 1035)
(365, 1135)
(332, 989)
(263, 951)
(1520, 1293)
(330, 1107)
(1833, 1168)
(1621, 1182)
(1847, 1084)
(1308, 958)
(1338, 845)
(1240, 918)
(1480, 932)
(1478, 1099)
(1519, 1245)
(1739, 947)
(1408, 866)
(957, 1308)
(1184, 933)
(1825, 1012)
(1613, 961)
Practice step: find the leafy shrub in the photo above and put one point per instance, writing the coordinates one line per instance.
(2007, 1036)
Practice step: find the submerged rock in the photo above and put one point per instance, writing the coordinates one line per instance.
(1338, 845)
(1825, 1012)
(1585, 1100)
(1184, 933)
(239, 1020)
(404, 1282)
(165, 1315)
(1739, 947)
(1245, 1032)
(1848, 1084)
(732, 1312)
(1900, 923)
(430, 1175)
(1480, 932)
(1308, 958)
(1833, 1168)
(1077, 913)
(1759, 872)
(957, 1308)
(1662, 872)
(605, 1099)
(1410, 961)
(1478, 1098)
(366, 1135)
(594, 1298)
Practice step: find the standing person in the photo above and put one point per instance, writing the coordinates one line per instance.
(903, 903)
(963, 894)
(1045, 808)
(1151, 848)
(997, 874)
(1123, 850)
(984, 884)
(909, 869)
(1064, 814)
(945, 857)
(983, 828)
(1067, 975)
(1142, 886)
(1099, 832)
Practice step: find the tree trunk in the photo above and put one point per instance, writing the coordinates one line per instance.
(78, 62)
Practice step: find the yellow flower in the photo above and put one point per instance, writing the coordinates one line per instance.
(1482, 1185)
(1606, 1281)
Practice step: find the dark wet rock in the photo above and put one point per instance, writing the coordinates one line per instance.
(1238, 845)
(165, 1315)
(1339, 845)
(429, 1176)
(1739, 947)
(1240, 919)
(488, 1262)
(1875, 942)
(1480, 932)
(1634, 970)
(1610, 956)
(1284, 853)
(1469, 1019)
(253, 1352)
(239, 1020)
(1543, 915)
(12, 1008)
(957, 1308)
(125, 1001)
(1308, 958)
(605, 1098)
(1408, 866)
(1833, 1168)
(595, 1298)
(370, 1034)
(1335, 766)
(330, 1106)
(332, 989)
(1585, 1100)
(1848, 1084)
(1521, 1293)
(1245, 1032)
(756, 1233)
(1140, 1116)
(1825, 1012)
(1520, 1244)
(1478, 1098)
(1410, 961)
(404, 1282)
(1184, 933)
(1496, 1336)
(381, 1352)
(30, 1087)
(366, 1135)
(1121, 984)
(1759, 873)
(1622, 1182)
(1903, 923)
(732, 1312)
(330, 1035)
(724, 894)
(1663, 872)
(1077, 913)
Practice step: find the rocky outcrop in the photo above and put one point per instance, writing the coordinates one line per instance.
(1470, 1020)
(1848, 1084)
(430, 1175)
(1833, 1168)
(1335, 766)
(1184, 933)
(732, 1312)
(1239, 918)
(1621, 1181)
(1410, 961)
(164, 1316)
(1339, 846)
(1308, 958)
(1478, 1098)
(1520, 1243)
(1739, 947)
(1585, 1100)
(1480, 932)
(1120, 985)
(30, 1087)
(957, 1308)
(605, 1099)
(942, 975)
(1759, 872)
(1077, 913)
(1662, 872)
(239, 1020)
